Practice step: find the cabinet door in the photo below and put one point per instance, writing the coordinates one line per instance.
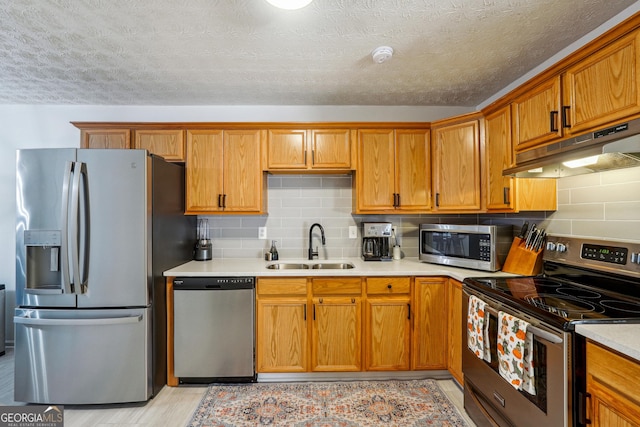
(456, 162)
(603, 88)
(204, 182)
(330, 148)
(455, 326)
(336, 342)
(243, 177)
(105, 138)
(537, 116)
(387, 334)
(287, 149)
(430, 323)
(375, 174)
(168, 144)
(413, 170)
(612, 383)
(281, 335)
(499, 189)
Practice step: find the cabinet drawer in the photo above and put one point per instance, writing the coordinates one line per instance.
(336, 286)
(614, 370)
(388, 285)
(279, 286)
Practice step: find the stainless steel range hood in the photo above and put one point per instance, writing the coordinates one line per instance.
(616, 147)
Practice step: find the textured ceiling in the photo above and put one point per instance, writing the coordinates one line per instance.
(246, 52)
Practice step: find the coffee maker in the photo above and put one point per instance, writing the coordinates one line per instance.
(376, 241)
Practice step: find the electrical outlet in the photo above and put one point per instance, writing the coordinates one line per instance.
(353, 232)
(394, 230)
(262, 233)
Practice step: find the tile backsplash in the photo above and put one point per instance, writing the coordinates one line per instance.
(600, 205)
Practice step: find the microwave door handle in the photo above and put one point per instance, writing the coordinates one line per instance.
(64, 232)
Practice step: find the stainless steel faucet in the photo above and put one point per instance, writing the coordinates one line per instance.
(313, 253)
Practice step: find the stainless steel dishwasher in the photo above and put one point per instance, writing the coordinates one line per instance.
(214, 337)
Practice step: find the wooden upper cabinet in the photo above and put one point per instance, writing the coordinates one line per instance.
(223, 173)
(330, 148)
(498, 149)
(168, 144)
(413, 170)
(105, 138)
(537, 115)
(456, 164)
(204, 173)
(375, 172)
(287, 149)
(311, 149)
(507, 194)
(244, 185)
(393, 171)
(603, 88)
(598, 90)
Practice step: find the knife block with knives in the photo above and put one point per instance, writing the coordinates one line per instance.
(525, 255)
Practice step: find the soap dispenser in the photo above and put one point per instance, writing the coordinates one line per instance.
(273, 251)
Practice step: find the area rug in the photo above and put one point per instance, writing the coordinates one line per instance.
(343, 404)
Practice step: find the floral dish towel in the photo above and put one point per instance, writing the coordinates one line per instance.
(478, 328)
(515, 352)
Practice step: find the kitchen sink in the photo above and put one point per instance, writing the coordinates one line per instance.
(288, 266)
(314, 266)
(333, 266)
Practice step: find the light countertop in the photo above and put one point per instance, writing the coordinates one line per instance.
(622, 338)
(258, 268)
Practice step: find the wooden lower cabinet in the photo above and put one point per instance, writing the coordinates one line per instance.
(430, 323)
(612, 383)
(281, 334)
(388, 324)
(336, 339)
(350, 324)
(455, 329)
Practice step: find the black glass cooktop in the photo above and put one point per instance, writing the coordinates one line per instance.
(565, 296)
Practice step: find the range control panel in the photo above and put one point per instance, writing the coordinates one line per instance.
(621, 257)
(613, 254)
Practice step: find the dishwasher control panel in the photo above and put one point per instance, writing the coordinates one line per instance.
(222, 283)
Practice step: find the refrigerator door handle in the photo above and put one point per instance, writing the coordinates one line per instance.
(73, 228)
(77, 322)
(64, 234)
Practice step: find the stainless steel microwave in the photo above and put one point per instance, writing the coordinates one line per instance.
(480, 247)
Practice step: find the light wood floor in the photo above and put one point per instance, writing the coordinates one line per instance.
(173, 406)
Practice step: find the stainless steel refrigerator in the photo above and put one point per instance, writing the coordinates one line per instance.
(95, 230)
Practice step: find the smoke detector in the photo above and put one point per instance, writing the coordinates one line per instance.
(381, 54)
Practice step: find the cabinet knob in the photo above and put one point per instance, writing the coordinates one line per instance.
(389, 286)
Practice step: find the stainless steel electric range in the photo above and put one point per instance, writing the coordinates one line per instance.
(583, 281)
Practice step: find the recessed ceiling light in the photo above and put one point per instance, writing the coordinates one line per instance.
(289, 4)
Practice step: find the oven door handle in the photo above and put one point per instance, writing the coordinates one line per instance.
(545, 335)
(548, 336)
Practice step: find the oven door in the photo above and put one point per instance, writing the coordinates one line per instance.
(491, 401)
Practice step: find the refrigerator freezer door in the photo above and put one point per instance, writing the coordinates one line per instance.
(114, 232)
(82, 356)
(41, 176)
